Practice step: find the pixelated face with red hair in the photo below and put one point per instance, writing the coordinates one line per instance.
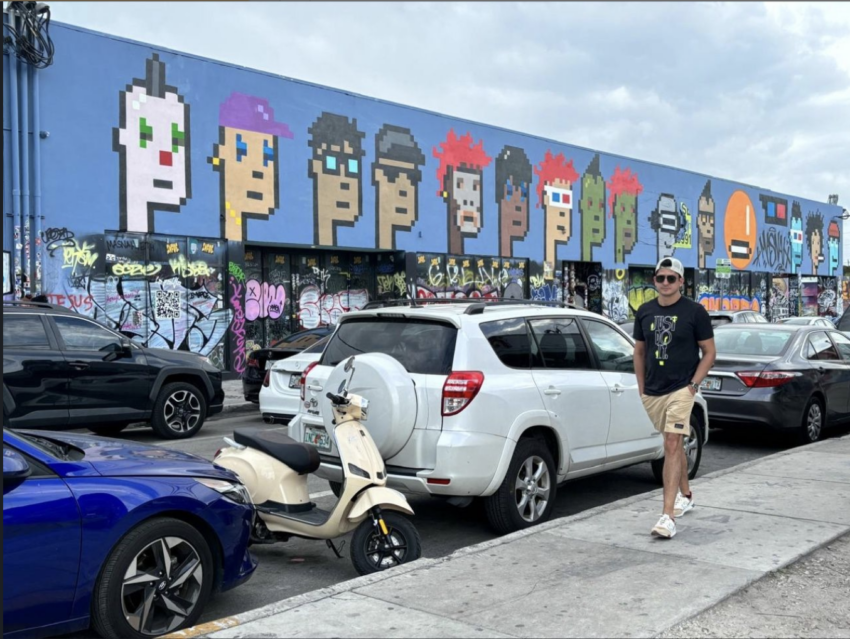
(555, 193)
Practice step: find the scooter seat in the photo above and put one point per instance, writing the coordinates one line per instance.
(301, 458)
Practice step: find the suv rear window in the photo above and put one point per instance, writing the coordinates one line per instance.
(422, 346)
(24, 331)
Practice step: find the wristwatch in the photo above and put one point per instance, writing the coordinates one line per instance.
(694, 385)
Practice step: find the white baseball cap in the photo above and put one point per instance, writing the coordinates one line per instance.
(671, 263)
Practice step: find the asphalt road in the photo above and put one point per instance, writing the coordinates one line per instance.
(299, 566)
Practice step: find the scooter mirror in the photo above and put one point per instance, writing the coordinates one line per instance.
(349, 364)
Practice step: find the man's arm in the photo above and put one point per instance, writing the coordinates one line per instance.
(709, 353)
(640, 364)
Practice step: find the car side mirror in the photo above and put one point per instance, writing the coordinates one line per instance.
(126, 349)
(15, 467)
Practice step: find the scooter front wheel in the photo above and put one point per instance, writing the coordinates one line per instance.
(373, 551)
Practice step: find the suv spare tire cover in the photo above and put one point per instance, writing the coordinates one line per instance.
(392, 399)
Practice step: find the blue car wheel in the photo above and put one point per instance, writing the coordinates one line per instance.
(157, 580)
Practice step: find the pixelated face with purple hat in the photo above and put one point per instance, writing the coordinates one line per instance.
(247, 157)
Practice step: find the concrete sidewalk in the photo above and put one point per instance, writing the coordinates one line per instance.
(598, 573)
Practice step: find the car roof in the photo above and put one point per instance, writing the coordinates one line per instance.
(722, 313)
(23, 306)
(459, 311)
(777, 328)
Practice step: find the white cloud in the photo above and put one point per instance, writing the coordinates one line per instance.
(753, 92)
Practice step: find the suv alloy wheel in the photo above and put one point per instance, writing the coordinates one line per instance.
(526, 496)
(179, 411)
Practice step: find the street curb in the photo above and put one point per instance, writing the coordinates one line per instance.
(425, 564)
(242, 407)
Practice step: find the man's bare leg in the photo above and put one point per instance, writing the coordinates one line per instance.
(684, 486)
(673, 454)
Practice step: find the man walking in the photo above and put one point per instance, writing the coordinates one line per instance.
(670, 331)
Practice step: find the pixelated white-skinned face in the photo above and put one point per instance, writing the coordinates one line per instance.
(467, 195)
(155, 172)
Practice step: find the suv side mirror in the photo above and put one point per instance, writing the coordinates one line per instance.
(15, 467)
(126, 349)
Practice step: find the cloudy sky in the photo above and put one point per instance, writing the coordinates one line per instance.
(753, 92)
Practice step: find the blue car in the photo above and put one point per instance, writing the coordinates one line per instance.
(128, 538)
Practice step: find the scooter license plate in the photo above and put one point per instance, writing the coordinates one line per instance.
(319, 437)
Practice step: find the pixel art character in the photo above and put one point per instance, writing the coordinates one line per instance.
(556, 178)
(666, 223)
(623, 190)
(796, 234)
(336, 172)
(705, 225)
(513, 181)
(460, 176)
(814, 239)
(152, 141)
(833, 241)
(396, 177)
(592, 206)
(246, 158)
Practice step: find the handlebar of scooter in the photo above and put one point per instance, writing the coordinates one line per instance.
(336, 400)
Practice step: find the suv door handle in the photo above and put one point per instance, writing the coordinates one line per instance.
(617, 389)
(80, 366)
(314, 388)
(552, 391)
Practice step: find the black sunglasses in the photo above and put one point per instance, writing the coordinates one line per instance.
(671, 279)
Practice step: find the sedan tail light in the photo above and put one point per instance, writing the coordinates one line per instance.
(459, 390)
(765, 379)
(304, 380)
(253, 362)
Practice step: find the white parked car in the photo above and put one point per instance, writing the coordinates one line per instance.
(808, 321)
(507, 402)
(280, 394)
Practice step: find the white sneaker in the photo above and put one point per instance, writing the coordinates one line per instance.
(682, 504)
(665, 528)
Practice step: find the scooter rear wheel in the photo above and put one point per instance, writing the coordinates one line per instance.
(372, 551)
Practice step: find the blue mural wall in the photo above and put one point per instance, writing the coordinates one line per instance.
(158, 143)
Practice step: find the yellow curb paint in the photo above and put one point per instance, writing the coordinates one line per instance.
(203, 629)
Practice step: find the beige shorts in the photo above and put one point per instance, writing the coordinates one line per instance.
(670, 413)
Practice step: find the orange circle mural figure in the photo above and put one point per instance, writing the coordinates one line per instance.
(740, 230)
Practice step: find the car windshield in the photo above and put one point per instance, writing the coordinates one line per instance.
(421, 346)
(797, 320)
(300, 340)
(318, 347)
(751, 341)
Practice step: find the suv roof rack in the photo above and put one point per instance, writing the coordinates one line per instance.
(476, 305)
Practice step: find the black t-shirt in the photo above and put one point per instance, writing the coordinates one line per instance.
(671, 334)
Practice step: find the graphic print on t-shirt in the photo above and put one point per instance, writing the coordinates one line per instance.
(664, 325)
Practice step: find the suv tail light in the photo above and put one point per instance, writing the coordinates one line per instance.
(304, 380)
(253, 362)
(268, 378)
(765, 379)
(459, 390)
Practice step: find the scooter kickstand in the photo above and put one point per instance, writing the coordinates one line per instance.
(332, 547)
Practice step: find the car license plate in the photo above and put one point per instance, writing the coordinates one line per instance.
(318, 437)
(710, 384)
(295, 380)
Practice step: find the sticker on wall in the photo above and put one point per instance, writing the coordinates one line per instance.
(396, 175)
(623, 189)
(153, 143)
(460, 177)
(335, 169)
(246, 159)
(556, 177)
(740, 229)
(513, 182)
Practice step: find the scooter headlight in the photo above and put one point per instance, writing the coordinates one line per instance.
(234, 491)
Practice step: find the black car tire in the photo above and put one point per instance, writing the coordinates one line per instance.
(177, 396)
(814, 411)
(697, 433)
(106, 430)
(502, 508)
(111, 593)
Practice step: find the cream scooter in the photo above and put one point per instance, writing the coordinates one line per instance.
(274, 468)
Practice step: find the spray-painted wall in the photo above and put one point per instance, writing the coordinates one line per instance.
(162, 144)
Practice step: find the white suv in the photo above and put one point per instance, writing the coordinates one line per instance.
(511, 400)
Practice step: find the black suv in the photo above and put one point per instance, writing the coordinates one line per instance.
(63, 370)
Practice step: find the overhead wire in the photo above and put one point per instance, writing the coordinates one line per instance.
(29, 35)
